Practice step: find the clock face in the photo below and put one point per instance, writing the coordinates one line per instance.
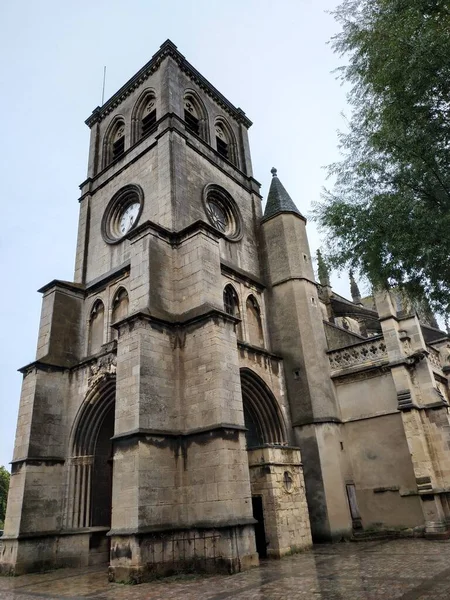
(217, 216)
(122, 213)
(128, 217)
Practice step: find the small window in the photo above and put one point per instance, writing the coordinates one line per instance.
(195, 115)
(191, 116)
(255, 330)
(143, 116)
(118, 147)
(221, 141)
(231, 305)
(114, 142)
(225, 140)
(96, 328)
(148, 121)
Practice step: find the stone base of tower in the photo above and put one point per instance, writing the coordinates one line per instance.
(47, 552)
(228, 549)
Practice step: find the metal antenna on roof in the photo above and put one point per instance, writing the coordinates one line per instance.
(103, 89)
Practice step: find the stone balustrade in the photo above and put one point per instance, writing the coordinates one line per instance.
(358, 355)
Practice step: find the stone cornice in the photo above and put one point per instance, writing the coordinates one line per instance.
(257, 350)
(100, 282)
(293, 278)
(240, 274)
(167, 49)
(193, 317)
(175, 433)
(77, 288)
(170, 527)
(42, 366)
(174, 237)
(39, 460)
(282, 212)
(316, 421)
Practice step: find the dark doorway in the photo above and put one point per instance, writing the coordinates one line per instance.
(260, 534)
(102, 474)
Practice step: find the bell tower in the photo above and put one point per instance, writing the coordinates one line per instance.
(130, 443)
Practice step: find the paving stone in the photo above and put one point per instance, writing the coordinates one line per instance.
(389, 570)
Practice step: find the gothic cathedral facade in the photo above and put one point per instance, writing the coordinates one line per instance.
(198, 400)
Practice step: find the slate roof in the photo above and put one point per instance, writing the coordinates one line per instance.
(278, 200)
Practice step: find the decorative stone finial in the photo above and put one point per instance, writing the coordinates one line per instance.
(323, 271)
(354, 289)
(273, 171)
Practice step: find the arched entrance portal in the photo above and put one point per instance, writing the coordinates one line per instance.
(276, 476)
(266, 435)
(91, 460)
(263, 418)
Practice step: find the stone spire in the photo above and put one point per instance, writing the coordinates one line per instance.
(278, 200)
(322, 269)
(354, 289)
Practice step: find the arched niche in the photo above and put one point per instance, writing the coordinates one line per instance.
(254, 322)
(231, 305)
(96, 327)
(120, 305)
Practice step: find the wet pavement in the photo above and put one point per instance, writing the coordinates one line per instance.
(388, 570)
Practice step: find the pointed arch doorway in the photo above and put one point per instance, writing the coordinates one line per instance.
(91, 465)
(276, 477)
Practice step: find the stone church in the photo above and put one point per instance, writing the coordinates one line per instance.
(198, 400)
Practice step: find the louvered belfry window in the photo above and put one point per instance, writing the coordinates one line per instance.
(191, 116)
(118, 146)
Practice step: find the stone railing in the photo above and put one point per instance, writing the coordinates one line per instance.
(359, 355)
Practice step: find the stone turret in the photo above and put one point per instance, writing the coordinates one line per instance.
(297, 334)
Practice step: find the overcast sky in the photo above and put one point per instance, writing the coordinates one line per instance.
(269, 58)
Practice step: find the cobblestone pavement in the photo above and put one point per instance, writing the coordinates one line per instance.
(400, 570)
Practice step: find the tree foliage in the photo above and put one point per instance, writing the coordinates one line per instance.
(4, 486)
(388, 214)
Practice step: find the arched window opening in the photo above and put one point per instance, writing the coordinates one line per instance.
(255, 330)
(143, 117)
(191, 116)
(96, 328)
(114, 146)
(118, 145)
(262, 416)
(148, 119)
(195, 116)
(222, 141)
(120, 305)
(225, 142)
(231, 305)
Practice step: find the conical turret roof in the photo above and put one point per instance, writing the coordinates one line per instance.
(278, 200)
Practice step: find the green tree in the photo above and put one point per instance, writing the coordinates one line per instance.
(4, 486)
(388, 212)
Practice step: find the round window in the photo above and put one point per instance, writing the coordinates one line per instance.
(122, 213)
(222, 212)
